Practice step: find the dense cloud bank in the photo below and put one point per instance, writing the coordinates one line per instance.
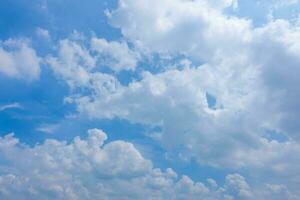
(93, 169)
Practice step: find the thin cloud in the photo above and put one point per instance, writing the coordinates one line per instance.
(47, 128)
(10, 106)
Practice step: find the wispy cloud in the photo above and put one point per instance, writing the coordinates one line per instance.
(47, 128)
(10, 106)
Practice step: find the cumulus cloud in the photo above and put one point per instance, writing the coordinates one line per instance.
(193, 28)
(247, 69)
(251, 72)
(19, 60)
(75, 62)
(179, 96)
(92, 168)
(115, 55)
(72, 63)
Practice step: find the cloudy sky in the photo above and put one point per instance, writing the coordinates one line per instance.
(150, 99)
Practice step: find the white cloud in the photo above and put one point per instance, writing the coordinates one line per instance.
(44, 33)
(209, 135)
(252, 73)
(75, 62)
(19, 60)
(277, 46)
(93, 169)
(47, 128)
(194, 28)
(238, 186)
(115, 55)
(10, 106)
(85, 169)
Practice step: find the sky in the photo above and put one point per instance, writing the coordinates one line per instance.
(150, 99)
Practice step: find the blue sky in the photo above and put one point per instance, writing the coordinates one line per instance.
(192, 99)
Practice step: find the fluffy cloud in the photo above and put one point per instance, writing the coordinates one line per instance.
(277, 46)
(115, 55)
(19, 60)
(180, 96)
(93, 169)
(251, 72)
(72, 63)
(193, 28)
(75, 62)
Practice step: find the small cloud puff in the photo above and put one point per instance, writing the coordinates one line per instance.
(18, 60)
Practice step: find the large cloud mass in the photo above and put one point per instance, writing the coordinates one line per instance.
(93, 169)
(251, 73)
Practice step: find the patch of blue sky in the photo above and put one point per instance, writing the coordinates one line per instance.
(290, 12)
(211, 101)
(275, 135)
(21, 18)
(41, 102)
(259, 12)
